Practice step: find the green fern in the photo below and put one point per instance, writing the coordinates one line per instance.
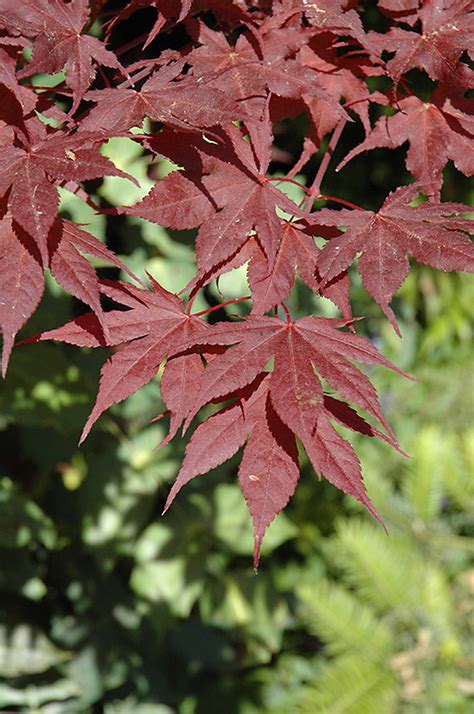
(395, 625)
(385, 570)
(352, 685)
(344, 622)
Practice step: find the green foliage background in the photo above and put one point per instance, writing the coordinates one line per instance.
(105, 607)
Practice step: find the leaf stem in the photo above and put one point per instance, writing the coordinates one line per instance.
(287, 312)
(221, 305)
(316, 185)
(287, 180)
(341, 201)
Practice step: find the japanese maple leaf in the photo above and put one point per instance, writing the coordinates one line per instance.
(57, 26)
(268, 473)
(178, 386)
(182, 104)
(301, 351)
(151, 330)
(67, 245)
(15, 101)
(233, 199)
(242, 73)
(338, 82)
(436, 132)
(22, 273)
(269, 470)
(401, 10)
(21, 286)
(385, 239)
(297, 253)
(29, 172)
(447, 31)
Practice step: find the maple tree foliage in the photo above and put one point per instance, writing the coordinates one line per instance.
(214, 80)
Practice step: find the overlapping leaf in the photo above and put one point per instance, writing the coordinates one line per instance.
(21, 268)
(436, 131)
(180, 104)
(216, 80)
(57, 28)
(434, 234)
(229, 202)
(152, 329)
(28, 174)
(447, 30)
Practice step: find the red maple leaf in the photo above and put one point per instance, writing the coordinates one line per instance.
(154, 328)
(297, 254)
(335, 16)
(22, 273)
(447, 32)
(384, 239)
(248, 75)
(57, 27)
(401, 10)
(221, 80)
(296, 395)
(174, 103)
(338, 82)
(21, 286)
(30, 168)
(16, 102)
(230, 201)
(436, 131)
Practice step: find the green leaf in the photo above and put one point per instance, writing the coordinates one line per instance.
(24, 650)
(35, 696)
(22, 522)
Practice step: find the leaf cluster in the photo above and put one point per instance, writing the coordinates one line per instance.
(206, 88)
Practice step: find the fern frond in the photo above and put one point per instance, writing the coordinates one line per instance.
(458, 480)
(343, 622)
(438, 605)
(350, 685)
(386, 571)
(423, 482)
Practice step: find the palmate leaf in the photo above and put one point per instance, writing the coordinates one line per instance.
(231, 169)
(22, 272)
(437, 130)
(434, 234)
(154, 327)
(57, 29)
(295, 406)
(446, 32)
(269, 410)
(161, 99)
(28, 174)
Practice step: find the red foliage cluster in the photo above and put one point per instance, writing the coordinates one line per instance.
(213, 98)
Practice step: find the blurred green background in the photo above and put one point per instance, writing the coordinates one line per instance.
(106, 607)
